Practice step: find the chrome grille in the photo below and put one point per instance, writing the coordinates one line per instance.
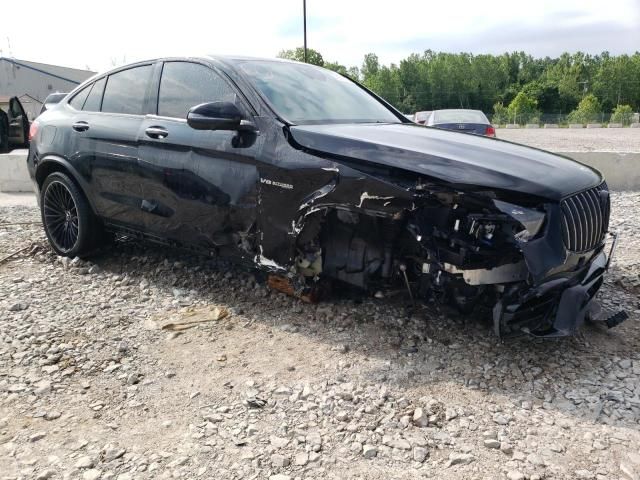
(585, 218)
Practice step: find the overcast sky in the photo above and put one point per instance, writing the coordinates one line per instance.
(101, 34)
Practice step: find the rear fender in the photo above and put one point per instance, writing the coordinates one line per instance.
(54, 163)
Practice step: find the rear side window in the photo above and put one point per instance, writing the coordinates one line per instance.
(184, 85)
(92, 104)
(125, 91)
(78, 100)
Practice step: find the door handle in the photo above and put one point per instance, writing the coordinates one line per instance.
(156, 132)
(80, 126)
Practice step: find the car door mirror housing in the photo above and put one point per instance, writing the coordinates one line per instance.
(214, 116)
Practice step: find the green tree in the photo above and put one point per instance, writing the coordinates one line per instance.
(523, 109)
(336, 67)
(622, 114)
(354, 72)
(589, 110)
(615, 81)
(370, 66)
(500, 114)
(431, 80)
(545, 94)
(313, 56)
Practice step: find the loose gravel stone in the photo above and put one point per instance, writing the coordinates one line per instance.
(92, 474)
(515, 475)
(492, 443)
(355, 386)
(460, 459)
(85, 462)
(420, 454)
(53, 415)
(420, 418)
(45, 474)
(301, 459)
(369, 451)
(278, 460)
(37, 436)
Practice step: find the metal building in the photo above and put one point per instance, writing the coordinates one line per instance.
(32, 82)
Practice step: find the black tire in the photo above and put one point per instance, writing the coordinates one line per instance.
(69, 223)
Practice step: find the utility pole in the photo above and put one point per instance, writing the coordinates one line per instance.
(304, 16)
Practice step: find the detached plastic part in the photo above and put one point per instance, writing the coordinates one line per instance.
(598, 314)
(616, 319)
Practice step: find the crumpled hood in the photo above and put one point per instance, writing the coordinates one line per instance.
(452, 157)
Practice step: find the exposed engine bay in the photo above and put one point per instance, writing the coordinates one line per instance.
(471, 250)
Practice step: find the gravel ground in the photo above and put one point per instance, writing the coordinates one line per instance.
(576, 140)
(93, 387)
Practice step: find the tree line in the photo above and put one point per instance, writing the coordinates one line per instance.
(509, 85)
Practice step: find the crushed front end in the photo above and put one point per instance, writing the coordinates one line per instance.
(531, 263)
(536, 264)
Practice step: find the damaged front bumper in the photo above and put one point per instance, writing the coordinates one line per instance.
(557, 307)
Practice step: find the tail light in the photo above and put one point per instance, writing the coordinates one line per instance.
(490, 131)
(33, 130)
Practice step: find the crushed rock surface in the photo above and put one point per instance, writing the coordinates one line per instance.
(623, 140)
(92, 387)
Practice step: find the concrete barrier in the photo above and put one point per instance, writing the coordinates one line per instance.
(551, 125)
(14, 176)
(635, 125)
(532, 125)
(614, 125)
(576, 125)
(621, 170)
(594, 125)
(512, 125)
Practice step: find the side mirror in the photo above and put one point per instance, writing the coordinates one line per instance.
(214, 116)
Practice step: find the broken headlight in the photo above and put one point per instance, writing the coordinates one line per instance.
(531, 220)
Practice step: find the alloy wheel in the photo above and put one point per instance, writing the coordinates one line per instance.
(61, 216)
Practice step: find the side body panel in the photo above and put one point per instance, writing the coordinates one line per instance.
(295, 184)
(107, 155)
(197, 187)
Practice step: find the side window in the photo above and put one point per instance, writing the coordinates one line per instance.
(78, 99)
(125, 91)
(92, 104)
(184, 85)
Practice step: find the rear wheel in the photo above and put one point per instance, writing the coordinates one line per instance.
(69, 223)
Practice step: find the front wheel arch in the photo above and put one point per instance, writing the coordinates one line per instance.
(339, 232)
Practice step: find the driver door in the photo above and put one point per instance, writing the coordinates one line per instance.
(18, 124)
(198, 186)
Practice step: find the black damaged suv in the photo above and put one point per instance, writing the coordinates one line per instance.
(307, 174)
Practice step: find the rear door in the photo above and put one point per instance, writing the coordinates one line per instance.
(18, 124)
(199, 187)
(105, 129)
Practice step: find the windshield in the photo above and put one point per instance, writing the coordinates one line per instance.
(305, 94)
(459, 116)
